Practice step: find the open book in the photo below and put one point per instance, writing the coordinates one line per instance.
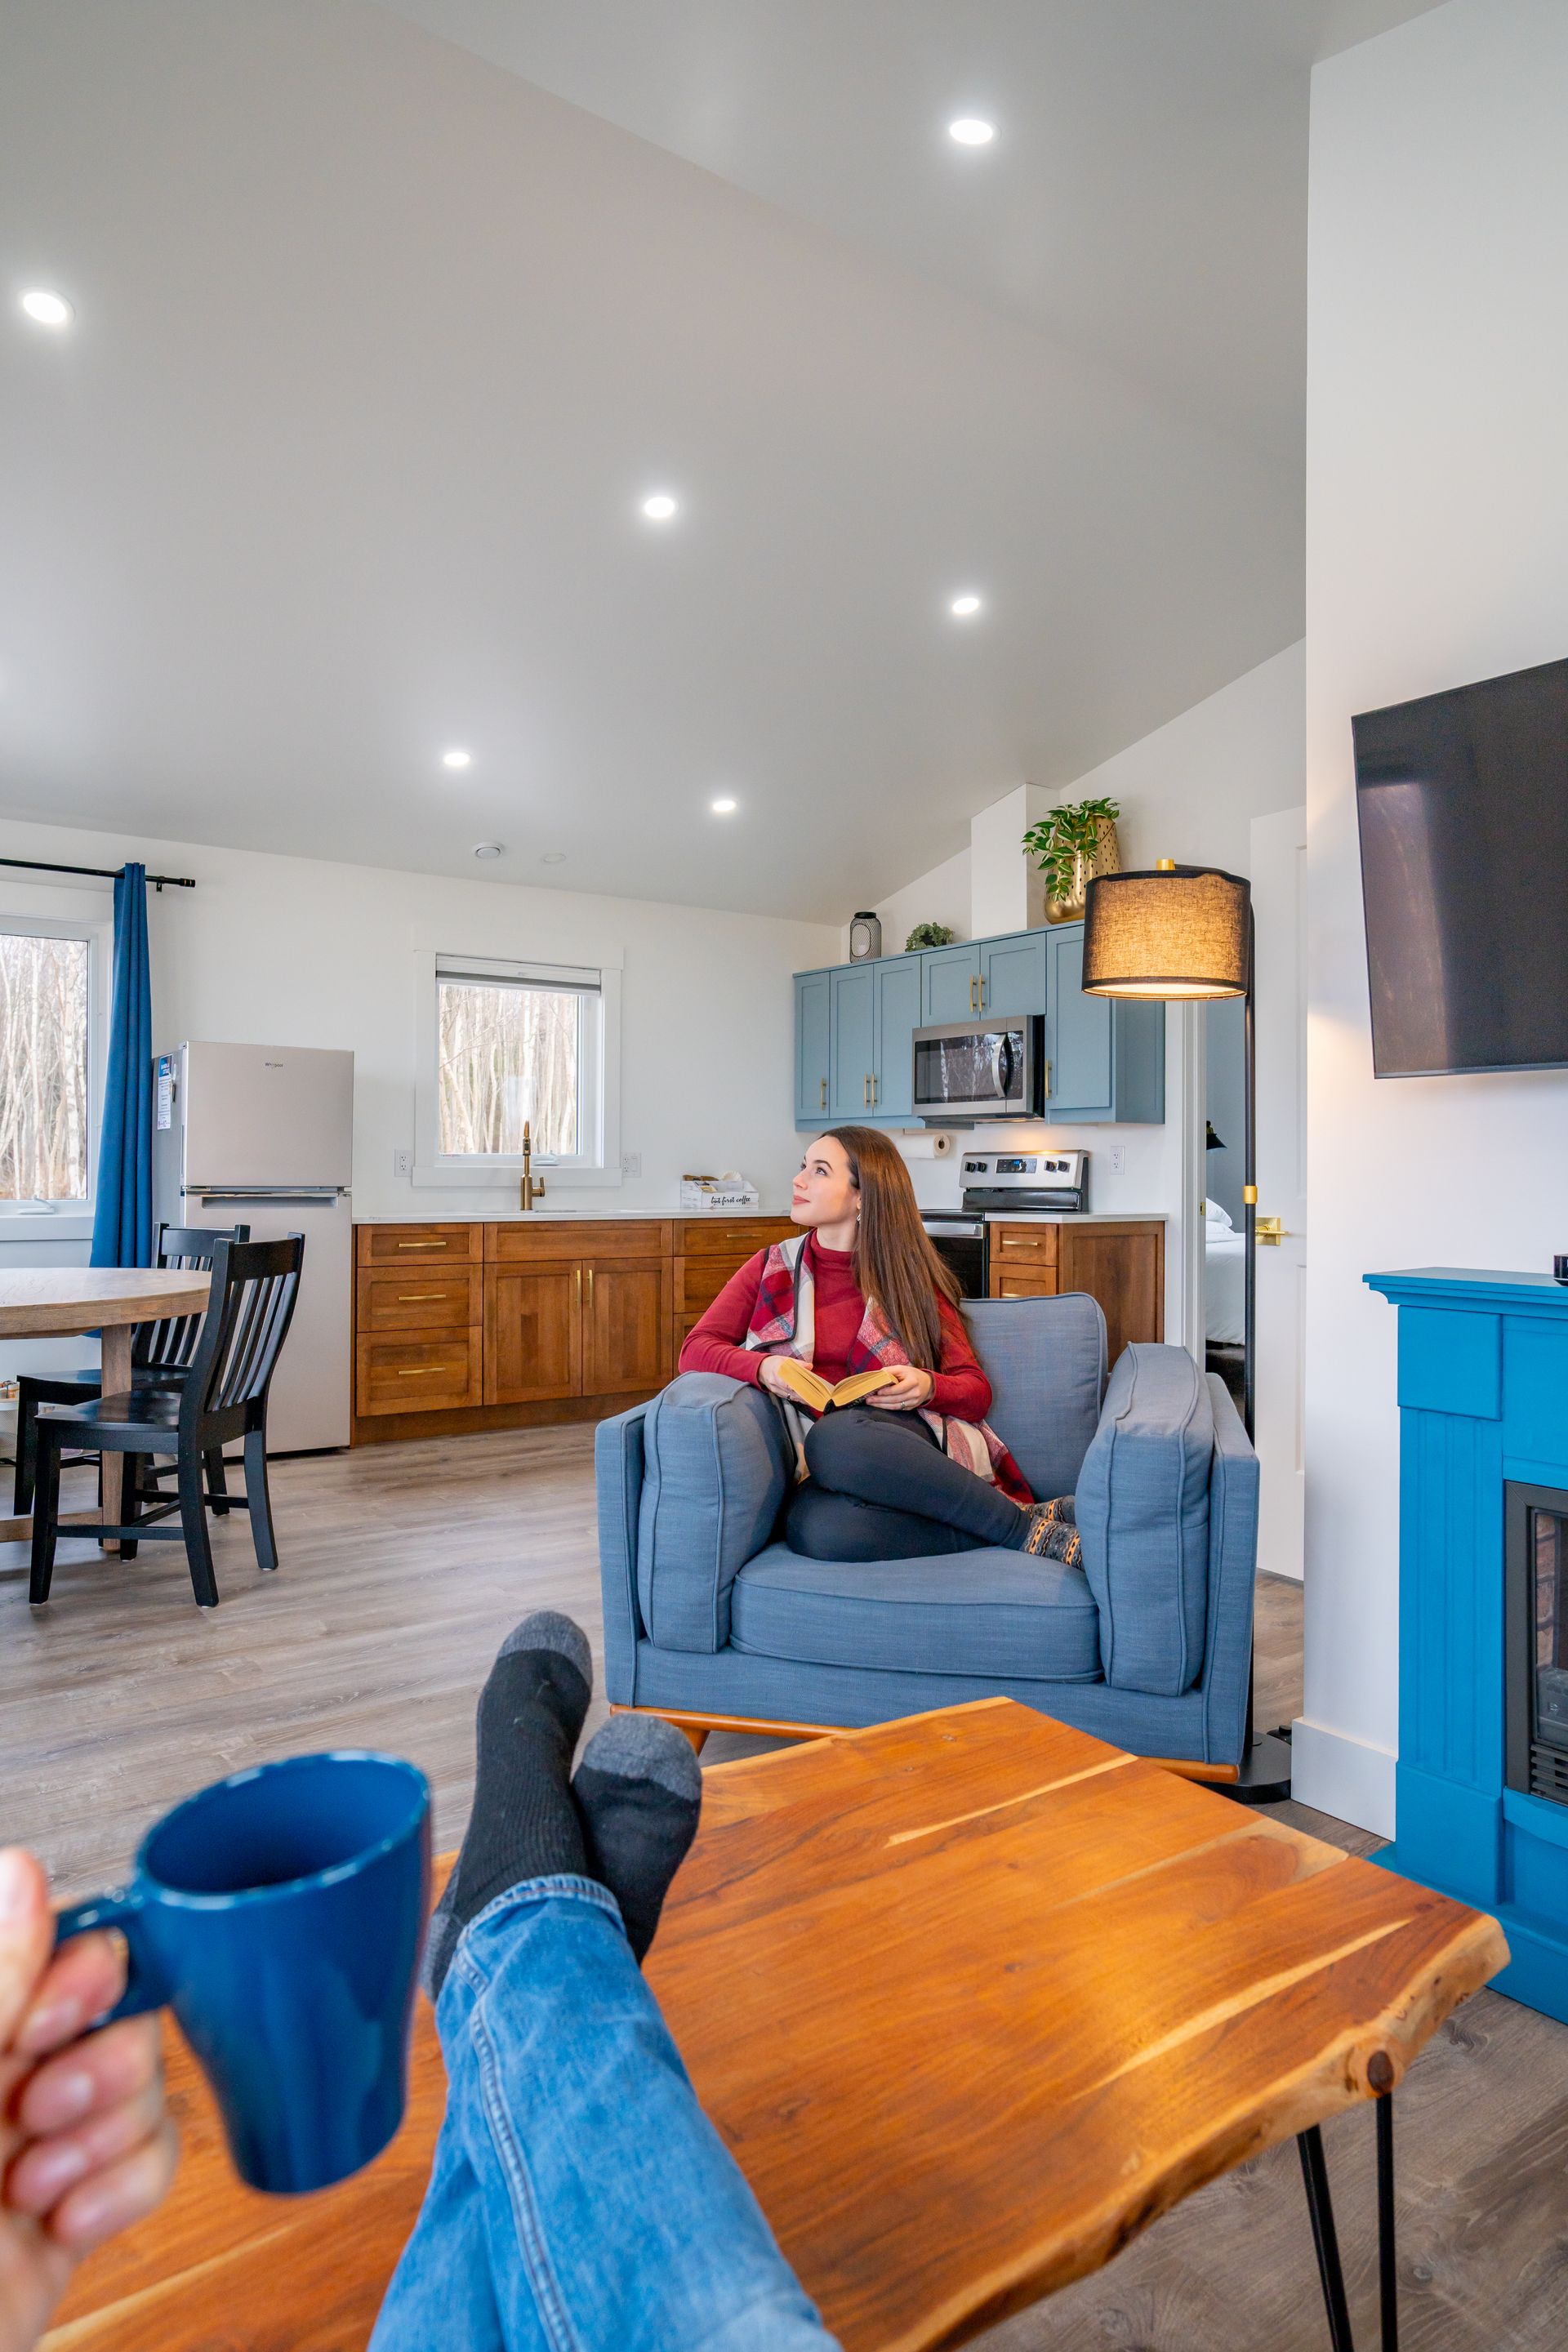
(814, 1391)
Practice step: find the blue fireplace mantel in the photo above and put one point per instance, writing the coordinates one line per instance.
(1483, 1400)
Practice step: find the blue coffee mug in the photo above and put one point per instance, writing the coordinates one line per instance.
(279, 1914)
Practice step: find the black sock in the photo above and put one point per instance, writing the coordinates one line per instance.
(523, 1824)
(639, 1791)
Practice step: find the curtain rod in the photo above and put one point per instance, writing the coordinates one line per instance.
(100, 873)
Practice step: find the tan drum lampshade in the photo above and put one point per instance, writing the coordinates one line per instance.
(1176, 932)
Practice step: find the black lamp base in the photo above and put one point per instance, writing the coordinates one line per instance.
(1264, 1777)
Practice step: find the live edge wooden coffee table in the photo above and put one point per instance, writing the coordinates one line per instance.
(973, 1998)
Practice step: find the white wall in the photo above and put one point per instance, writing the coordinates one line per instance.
(290, 950)
(1438, 554)
(1190, 790)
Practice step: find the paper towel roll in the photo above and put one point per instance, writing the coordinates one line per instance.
(932, 1145)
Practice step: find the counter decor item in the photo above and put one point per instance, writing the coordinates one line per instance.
(1071, 844)
(865, 938)
(722, 1195)
(930, 935)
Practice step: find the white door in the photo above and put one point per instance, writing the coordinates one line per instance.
(1278, 898)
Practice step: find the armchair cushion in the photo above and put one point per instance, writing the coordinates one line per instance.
(1044, 1358)
(716, 1469)
(1143, 1515)
(999, 1613)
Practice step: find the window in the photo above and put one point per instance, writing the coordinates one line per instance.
(45, 1067)
(513, 1044)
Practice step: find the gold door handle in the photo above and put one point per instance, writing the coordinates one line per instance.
(865, 1094)
(1269, 1231)
(419, 1297)
(418, 1371)
(421, 1245)
(590, 1290)
(822, 1103)
(980, 1007)
(974, 985)
(579, 1286)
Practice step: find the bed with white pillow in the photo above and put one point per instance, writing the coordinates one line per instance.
(1224, 1277)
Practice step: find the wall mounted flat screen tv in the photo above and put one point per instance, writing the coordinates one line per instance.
(1462, 802)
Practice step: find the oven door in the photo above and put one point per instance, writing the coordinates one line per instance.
(980, 1069)
(960, 1241)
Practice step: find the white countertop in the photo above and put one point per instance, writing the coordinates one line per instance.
(1057, 1216)
(437, 1215)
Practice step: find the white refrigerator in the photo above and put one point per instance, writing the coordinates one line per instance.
(264, 1135)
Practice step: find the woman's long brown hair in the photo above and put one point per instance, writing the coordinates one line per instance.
(895, 1264)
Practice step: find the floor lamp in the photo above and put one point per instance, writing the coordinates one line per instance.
(1184, 935)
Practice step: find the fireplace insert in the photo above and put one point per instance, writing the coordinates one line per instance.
(1536, 1639)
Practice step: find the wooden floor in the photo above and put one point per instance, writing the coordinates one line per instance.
(403, 1567)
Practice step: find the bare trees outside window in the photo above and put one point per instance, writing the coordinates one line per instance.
(43, 1067)
(508, 1054)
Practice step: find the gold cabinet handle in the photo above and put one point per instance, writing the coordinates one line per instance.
(1269, 1231)
(974, 985)
(876, 1090)
(590, 1287)
(579, 1286)
(418, 1371)
(822, 1103)
(419, 1297)
(422, 1245)
(982, 1004)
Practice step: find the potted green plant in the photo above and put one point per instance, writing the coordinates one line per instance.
(1071, 844)
(930, 935)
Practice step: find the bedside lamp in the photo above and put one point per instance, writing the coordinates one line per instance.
(1183, 934)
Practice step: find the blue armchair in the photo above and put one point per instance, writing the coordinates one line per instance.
(709, 1620)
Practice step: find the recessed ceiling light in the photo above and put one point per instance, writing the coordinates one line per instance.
(723, 808)
(659, 507)
(455, 759)
(552, 857)
(489, 848)
(964, 607)
(971, 131)
(48, 309)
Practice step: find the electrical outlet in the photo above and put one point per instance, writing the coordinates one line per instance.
(631, 1164)
(1119, 1160)
(403, 1163)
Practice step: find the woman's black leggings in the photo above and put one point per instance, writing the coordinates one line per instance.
(882, 1488)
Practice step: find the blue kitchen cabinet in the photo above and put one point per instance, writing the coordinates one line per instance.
(813, 1037)
(853, 1002)
(950, 979)
(1014, 973)
(898, 996)
(1107, 1055)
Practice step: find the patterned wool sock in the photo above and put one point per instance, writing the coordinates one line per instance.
(524, 1824)
(1049, 1531)
(639, 1791)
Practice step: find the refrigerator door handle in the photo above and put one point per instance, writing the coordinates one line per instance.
(303, 1192)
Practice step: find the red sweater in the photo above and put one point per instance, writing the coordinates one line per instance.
(714, 1344)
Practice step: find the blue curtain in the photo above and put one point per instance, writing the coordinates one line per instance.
(123, 1219)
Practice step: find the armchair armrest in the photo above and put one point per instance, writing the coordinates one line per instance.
(619, 1478)
(1232, 1579)
(1143, 1515)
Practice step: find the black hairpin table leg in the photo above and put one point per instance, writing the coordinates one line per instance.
(1387, 2267)
(1320, 2205)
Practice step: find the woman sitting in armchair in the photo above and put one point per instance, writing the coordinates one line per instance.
(912, 1468)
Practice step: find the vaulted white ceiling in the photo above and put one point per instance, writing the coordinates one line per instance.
(381, 336)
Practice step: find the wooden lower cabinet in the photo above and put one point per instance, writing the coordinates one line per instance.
(512, 1324)
(626, 1327)
(533, 1333)
(1121, 1264)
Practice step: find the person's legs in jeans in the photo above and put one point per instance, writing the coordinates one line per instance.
(893, 1459)
(580, 2199)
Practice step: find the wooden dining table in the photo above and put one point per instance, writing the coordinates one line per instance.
(57, 1302)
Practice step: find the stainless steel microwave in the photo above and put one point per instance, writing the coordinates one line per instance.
(981, 1069)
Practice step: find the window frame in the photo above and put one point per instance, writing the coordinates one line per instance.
(601, 1164)
(58, 1221)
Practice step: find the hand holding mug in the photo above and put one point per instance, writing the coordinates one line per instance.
(85, 2147)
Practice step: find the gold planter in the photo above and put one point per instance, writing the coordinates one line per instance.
(1105, 857)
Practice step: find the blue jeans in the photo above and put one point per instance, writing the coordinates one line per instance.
(580, 2199)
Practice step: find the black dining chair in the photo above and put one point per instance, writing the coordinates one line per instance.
(222, 1397)
(159, 1357)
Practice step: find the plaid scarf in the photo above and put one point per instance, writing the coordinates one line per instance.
(784, 1323)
